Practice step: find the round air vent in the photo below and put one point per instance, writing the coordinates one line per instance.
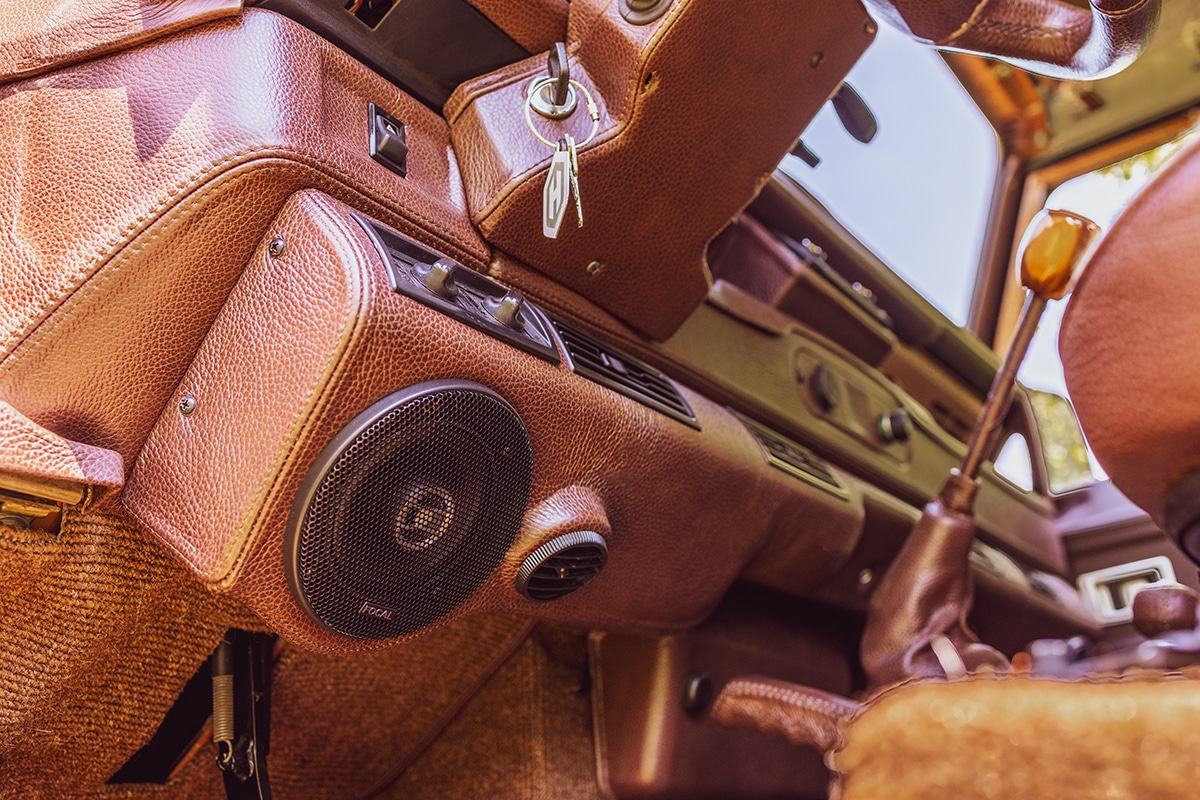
(562, 565)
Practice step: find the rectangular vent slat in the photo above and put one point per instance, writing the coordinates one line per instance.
(794, 459)
(625, 374)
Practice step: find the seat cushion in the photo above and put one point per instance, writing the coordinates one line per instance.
(1136, 737)
(1128, 339)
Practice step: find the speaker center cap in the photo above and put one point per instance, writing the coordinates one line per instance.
(424, 518)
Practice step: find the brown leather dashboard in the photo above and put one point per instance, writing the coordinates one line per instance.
(309, 339)
(213, 315)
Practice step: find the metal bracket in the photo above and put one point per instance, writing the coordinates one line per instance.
(1110, 591)
(241, 668)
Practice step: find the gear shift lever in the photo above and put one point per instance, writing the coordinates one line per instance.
(916, 622)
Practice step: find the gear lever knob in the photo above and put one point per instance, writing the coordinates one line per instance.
(1161, 608)
(1052, 250)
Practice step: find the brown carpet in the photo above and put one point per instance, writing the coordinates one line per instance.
(99, 630)
(526, 735)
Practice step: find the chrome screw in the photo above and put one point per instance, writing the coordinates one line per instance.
(276, 247)
(187, 405)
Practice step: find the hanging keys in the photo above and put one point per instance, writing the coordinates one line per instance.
(557, 190)
(562, 178)
(574, 153)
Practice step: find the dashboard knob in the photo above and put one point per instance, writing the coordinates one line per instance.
(826, 390)
(507, 310)
(438, 277)
(896, 426)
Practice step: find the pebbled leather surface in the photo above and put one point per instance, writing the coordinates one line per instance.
(534, 24)
(696, 109)
(1165, 608)
(28, 449)
(40, 35)
(927, 593)
(1127, 339)
(162, 167)
(1048, 37)
(675, 545)
(270, 379)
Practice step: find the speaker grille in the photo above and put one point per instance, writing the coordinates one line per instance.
(409, 509)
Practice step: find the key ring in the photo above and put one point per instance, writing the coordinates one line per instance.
(593, 110)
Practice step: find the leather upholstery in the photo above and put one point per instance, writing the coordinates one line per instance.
(926, 594)
(1162, 608)
(1049, 37)
(29, 451)
(534, 24)
(40, 35)
(310, 339)
(689, 131)
(1127, 339)
(162, 167)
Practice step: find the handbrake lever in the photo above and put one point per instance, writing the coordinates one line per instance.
(916, 620)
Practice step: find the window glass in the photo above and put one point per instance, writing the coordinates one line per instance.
(919, 194)
(1013, 463)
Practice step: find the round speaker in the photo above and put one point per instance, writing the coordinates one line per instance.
(408, 509)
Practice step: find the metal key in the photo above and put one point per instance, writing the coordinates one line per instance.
(574, 151)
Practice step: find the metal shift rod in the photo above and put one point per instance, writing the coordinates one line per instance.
(916, 621)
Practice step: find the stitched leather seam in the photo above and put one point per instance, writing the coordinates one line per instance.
(609, 132)
(219, 571)
(315, 400)
(1019, 29)
(743, 689)
(28, 67)
(118, 246)
(82, 293)
(179, 538)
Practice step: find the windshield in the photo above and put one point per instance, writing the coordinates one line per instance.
(919, 194)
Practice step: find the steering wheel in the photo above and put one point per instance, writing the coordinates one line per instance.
(1049, 37)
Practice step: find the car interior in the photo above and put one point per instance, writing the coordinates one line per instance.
(561, 399)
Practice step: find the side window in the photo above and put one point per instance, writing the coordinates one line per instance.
(919, 194)
(1013, 463)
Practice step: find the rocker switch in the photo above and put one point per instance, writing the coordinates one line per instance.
(389, 142)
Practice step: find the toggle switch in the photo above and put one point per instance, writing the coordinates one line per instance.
(438, 277)
(507, 310)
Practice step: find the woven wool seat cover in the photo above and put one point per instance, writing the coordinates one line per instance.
(1137, 737)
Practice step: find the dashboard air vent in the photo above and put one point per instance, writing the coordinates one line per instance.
(623, 373)
(794, 459)
(562, 565)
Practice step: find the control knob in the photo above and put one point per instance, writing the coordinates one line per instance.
(895, 427)
(826, 390)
